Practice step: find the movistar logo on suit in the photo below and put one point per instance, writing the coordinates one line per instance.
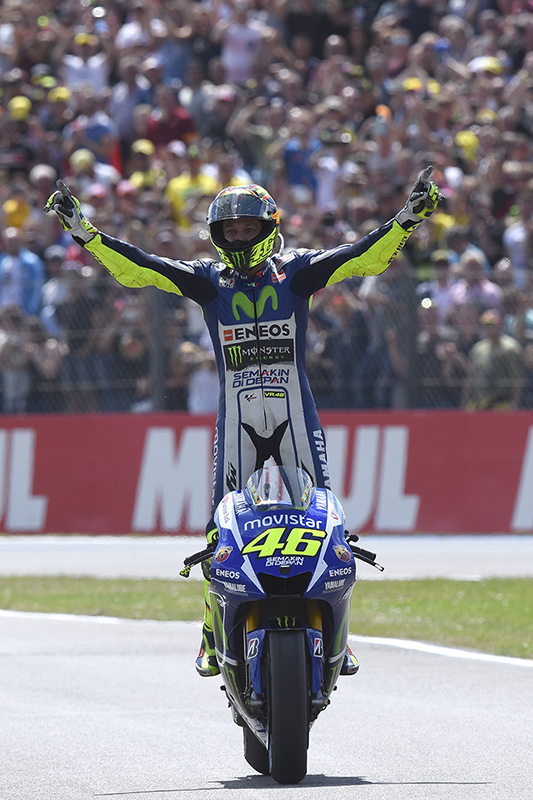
(241, 302)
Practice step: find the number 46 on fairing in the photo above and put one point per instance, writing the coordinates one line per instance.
(286, 542)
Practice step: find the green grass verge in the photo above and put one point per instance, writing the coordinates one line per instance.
(494, 616)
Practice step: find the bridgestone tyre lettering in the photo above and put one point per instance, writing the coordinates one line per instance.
(288, 729)
(254, 752)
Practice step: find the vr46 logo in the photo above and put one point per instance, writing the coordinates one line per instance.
(286, 542)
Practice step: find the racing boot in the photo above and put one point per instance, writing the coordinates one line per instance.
(350, 665)
(206, 661)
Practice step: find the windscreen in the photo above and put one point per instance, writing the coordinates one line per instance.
(274, 487)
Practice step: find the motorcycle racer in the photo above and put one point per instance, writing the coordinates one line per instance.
(255, 304)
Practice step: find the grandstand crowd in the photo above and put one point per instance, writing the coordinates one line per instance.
(148, 108)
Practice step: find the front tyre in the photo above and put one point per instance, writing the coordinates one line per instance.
(288, 712)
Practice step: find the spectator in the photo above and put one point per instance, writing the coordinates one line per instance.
(22, 137)
(297, 145)
(241, 37)
(144, 170)
(55, 289)
(75, 316)
(387, 299)
(87, 170)
(21, 274)
(135, 35)
(127, 339)
(186, 192)
(89, 63)
(125, 95)
(93, 130)
(14, 359)
(496, 371)
(168, 121)
(518, 235)
(429, 366)
(200, 367)
(345, 342)
(473, 286)
(439, 289)
(195, 95)
(46, 355)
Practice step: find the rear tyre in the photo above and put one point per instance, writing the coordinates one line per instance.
(288, 729)
(254, 752)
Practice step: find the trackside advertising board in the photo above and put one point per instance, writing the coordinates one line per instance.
(412, 472)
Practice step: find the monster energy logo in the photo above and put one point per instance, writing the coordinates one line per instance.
(234, 354)
(241, 301)
(242, 356)
(285, 622)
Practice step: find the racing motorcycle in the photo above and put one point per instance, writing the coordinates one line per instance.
(281, 577)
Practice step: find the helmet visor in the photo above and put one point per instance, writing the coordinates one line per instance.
(244, 202)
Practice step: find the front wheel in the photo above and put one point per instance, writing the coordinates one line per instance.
(288, 712)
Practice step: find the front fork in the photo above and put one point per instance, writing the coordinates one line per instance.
(255, 642)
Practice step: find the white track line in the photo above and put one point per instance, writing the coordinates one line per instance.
(404, 644)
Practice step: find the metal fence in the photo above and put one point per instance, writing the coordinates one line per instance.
(101, 348)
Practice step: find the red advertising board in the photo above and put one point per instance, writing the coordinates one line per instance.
(409, 472)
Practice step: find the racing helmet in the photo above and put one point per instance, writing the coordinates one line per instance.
(244, 201)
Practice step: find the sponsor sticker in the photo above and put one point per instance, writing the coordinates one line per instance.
(241, 356)
(334, 586)
(223, 553)
(225, 282)
(342, 552)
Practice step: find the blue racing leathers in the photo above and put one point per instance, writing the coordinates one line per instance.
(258, 328)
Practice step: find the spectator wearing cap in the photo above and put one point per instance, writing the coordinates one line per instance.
(143, 167)
(185, 192)
(86, 169)
(439, 288)
(16, 208)
(56, 112)
(495, 372)
(21, 274)
(168, 120)
(85, 58)
(23, 138)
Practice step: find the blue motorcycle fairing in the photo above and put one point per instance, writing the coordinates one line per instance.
(280, 544)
